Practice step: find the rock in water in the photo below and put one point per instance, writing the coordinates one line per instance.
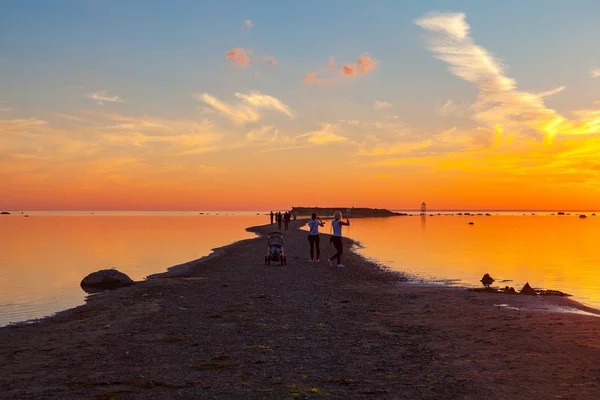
(105, 279)
(487, 280)
(583, 216)
(528, 289)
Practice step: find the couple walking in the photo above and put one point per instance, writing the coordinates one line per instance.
(336, 239)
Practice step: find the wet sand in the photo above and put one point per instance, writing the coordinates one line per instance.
(229, 327)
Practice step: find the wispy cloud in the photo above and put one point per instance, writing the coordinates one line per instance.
(238, 113)
(7, 109)
(499, 100)
(239, 57)
(270, 60)
(248, 24)
(264, 134)
(382, 105)
(258, 100)
(101, 96)
(451, 108)
(595, 73)
(325, 135)
(248, 109)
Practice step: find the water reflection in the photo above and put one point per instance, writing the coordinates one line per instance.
(44, 258)
(549, 252)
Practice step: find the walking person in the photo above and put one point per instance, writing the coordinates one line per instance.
(336, 239)
(286, 220)
(272, 215)
(278, 218)
(313, 237)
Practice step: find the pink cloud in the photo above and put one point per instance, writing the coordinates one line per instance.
(248, 24)
(349, 70)
(309, 78)
(331, 63)
(238, 56)
(366, 63)
(270, 60)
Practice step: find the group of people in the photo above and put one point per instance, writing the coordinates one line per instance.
(284, 218)
(313, 235)
(336, 239)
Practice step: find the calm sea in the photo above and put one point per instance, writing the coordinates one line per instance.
(548, 251)
(44, 257)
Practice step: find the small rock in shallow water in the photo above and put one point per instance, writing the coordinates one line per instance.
(487, 280)
(105, 279)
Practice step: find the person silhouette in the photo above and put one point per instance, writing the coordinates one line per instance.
(313, 236)
(272, 217)
(336, 239)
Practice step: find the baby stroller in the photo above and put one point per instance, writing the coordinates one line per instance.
(275, 250)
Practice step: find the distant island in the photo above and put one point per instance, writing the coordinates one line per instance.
(354, 212)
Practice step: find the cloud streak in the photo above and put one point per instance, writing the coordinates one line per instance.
(101, 96)
(499, 101)
(595, 73)
(248, 109)
(323, 136)
(381, 105)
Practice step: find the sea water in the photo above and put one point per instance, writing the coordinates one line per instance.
(44, 257)
(560, 252)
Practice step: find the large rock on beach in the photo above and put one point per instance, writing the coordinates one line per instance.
(105, 279)
(4, 213)
(528, 290)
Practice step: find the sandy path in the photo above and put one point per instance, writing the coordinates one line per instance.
(231, 327)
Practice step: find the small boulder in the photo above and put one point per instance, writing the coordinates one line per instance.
(561, 213)
(583, 216)
(4, 213)
(105, 279)
(528, 290)
(487, 280)
(471, 223)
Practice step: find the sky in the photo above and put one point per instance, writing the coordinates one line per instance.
(234, 105)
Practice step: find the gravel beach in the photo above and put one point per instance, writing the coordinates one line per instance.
(230, 327)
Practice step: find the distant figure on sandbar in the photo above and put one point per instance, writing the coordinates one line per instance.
(294, 217)
(272, 215)
(313, 237)
(336, 239)
(286, 220)
(278, 218)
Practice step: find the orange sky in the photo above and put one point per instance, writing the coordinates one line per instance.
(330, 136)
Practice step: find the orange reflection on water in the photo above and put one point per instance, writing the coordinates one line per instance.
(550, 252)
(43, 258)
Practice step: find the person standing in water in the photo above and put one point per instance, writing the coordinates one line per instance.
(313, 236)
(336, 239)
